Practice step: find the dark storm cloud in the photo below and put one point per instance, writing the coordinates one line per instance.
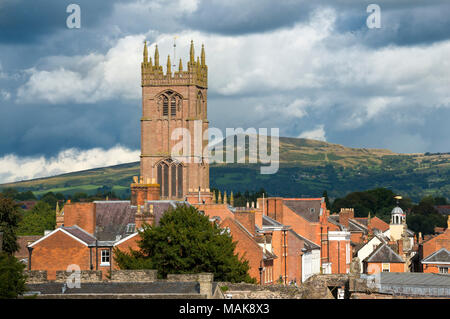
(408, 25)
(403, 22)
(250, 16)
(29, 21)
(41, 129)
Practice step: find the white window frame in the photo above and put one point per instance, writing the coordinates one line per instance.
(105, 255)
(441, 268)
(383, 267)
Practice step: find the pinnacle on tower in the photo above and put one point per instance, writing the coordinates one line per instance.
(145, 52)
(156, 56)
(180, 67)
(57, 208)
(225, 197)
(169, 66)
(219, 199)
(191, 56)
(203, 56)
(231, 199)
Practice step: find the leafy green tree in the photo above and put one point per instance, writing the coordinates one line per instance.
(12, 279)
(186, 242)
(28, 195)
(440, 200)
(9, 221)
(11, 193)
(40, 218)
(50, 198)
(424, 217)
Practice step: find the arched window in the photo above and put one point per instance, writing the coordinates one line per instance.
(170, 102)
(199, 103)
(170, 178)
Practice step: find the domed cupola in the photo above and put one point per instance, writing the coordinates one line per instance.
(398, 216)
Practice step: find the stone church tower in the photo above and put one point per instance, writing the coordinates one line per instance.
(170, 101)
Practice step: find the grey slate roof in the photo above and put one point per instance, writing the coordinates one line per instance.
(440, 256)
(269, 222)
(410, 283)
(384, 254)
(80, 234)
(303, 208)
(112, 218)
(108, 288)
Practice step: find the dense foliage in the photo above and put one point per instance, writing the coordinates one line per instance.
(12, 279)
(186, 242)
(422, 217)
(35, 221)
(9, 222)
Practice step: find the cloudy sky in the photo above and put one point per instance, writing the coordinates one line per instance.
(70, 98)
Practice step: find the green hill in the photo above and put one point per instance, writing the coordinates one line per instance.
(307, 168)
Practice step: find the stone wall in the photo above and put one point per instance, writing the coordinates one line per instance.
(250, 291)
(144, 275)
(85, 276)
(35, 276)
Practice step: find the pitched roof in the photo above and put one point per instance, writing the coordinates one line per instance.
(269, 222)
(442, 256)
(355, 226)
(81, 234)
(309, 245)
(384, 254)
(414, 279)
(112, 217)
(23, 242)
(309, 208)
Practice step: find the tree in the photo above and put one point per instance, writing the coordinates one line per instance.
(186, 242)
(40, 218)
(50, 198)
(12, 279)
(424, 217)
(9, 221)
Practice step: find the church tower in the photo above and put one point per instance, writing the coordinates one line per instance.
(173, 100)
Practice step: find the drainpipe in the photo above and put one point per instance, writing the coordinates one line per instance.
(30, 250)
(339, 252)
(110, 262)
(285, 257)
(96, 254)
(90, 259)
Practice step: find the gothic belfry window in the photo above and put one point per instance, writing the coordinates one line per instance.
(173, 106)
(165, 106)
(199, 103)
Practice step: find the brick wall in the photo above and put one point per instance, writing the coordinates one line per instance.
(436, 243)
(246, 247)
(80, 214)
(59, 251)
(247, 219)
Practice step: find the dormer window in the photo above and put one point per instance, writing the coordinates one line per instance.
(131, 228)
